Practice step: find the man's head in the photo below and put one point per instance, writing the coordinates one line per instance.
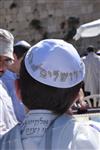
(6, 50)
(51, 75)
(91, 48)
(20, 48)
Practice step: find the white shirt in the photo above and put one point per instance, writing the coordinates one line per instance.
(7, 116)
(92, 76)
(42, 130)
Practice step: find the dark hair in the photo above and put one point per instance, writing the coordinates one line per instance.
(91, 48)
(20, 50)
(36, 95)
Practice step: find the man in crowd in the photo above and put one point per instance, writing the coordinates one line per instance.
(7, 116)
(12, 73)
(51, 75)
(92, 77)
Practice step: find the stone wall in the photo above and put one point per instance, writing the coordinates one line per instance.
(33, 20)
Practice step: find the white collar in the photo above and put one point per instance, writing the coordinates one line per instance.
(36, 122)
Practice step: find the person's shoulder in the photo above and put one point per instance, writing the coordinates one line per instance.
(95, 125)
(88, 126)
(11, 139)
(64, 119)
(10, 135)
(80, 135)
(86, 136)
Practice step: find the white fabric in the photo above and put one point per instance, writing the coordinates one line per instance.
(8, 79)
(92, 76)
(23, 43)
(64, 133)
(7, 116)
(95, 123)
(6, 44)
(90, 29)
(56, 63)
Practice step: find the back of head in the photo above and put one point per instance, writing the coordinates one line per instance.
(51, 73)
(6, 43)
(91, 48)
(20, 48)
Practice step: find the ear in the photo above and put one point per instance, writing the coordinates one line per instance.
(15, 57)
(17, 88)
(79, 95)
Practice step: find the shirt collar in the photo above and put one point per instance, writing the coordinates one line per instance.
(36, 122)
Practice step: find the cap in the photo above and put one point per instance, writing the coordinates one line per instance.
(98, 52)
(20, 48)
(56, 63)
(6, 43)
(22, 43)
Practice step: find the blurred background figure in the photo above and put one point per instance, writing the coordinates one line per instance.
(9, 77)
(92, 77)
(20, 48)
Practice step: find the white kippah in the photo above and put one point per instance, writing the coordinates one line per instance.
(6, 43)
(23, 43)
(56, 63)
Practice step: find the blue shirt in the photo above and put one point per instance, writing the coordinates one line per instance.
(8, 79)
